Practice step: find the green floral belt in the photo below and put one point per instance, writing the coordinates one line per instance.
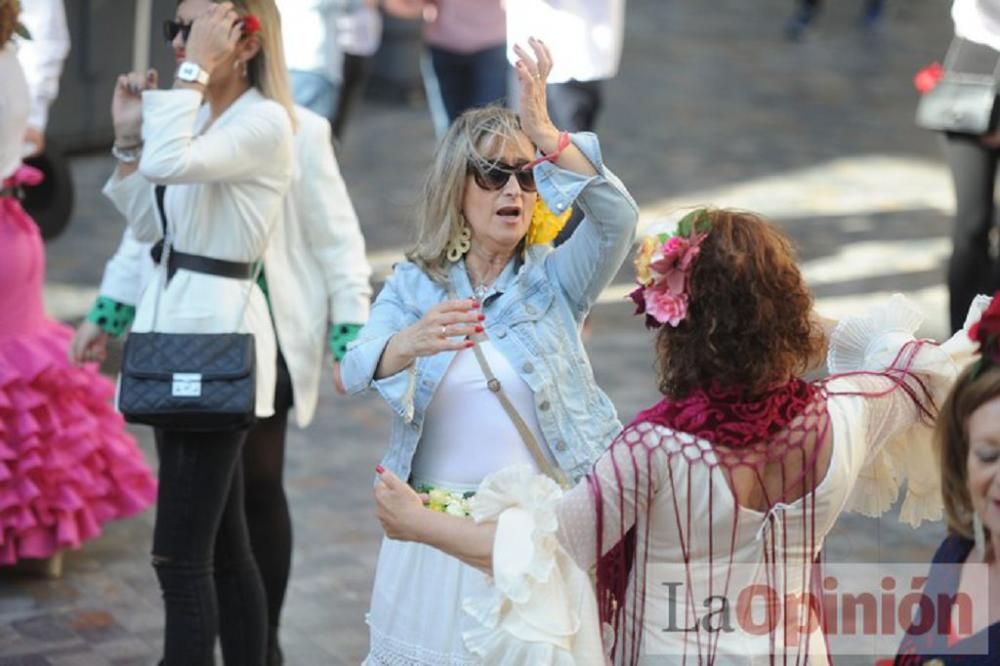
(447, 501)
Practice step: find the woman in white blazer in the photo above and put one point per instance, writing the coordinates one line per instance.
(221, 143)
(318, 279)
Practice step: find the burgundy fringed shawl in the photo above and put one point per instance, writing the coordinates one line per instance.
(789, 424)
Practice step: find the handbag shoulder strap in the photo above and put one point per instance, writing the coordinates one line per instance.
(161, 191)
(496, 388)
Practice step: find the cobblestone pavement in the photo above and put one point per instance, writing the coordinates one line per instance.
(711, 106)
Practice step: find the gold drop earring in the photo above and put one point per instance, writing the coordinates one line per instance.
(459, 242)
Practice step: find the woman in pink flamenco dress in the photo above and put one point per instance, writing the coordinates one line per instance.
(67, 466)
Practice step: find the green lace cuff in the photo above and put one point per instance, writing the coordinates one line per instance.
(342, 335)
(111, 316)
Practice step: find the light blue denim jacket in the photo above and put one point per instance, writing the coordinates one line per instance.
(533, 317)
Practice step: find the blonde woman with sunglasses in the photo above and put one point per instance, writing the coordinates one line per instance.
(474, 342)
(220, 141)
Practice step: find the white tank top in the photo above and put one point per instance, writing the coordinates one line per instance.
(467, 434)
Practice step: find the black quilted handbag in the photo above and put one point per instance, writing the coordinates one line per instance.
(189, 381)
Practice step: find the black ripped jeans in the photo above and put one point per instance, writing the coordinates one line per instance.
(201, 552)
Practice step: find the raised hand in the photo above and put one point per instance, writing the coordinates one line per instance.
(532, 74)
(126, 105)
(214, 36)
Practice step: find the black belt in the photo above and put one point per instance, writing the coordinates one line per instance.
(198, 264)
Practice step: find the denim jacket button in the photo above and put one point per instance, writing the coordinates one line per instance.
(502, 333)
(544, 405)
(530, 309)
(527, 367)
(560, 445)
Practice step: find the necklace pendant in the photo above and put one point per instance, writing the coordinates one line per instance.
(480, 292)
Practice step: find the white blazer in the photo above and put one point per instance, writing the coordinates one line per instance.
(315, 263)
(226, 184)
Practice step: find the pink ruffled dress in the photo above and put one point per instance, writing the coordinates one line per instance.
(67, 465)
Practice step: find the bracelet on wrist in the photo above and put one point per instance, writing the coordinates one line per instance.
(127, 154)
(564, 141)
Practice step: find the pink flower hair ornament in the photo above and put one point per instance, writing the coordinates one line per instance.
(663, 267)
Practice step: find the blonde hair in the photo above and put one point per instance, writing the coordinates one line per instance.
(970, 392)
(9, 10)
(474, 134)
(267, 70)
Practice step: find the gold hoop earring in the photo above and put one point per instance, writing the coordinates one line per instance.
(459, 242)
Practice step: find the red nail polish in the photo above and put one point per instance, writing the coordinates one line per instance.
(469, 343)
(379, 469)
(479, 329)
(482, 317)
(475, 305)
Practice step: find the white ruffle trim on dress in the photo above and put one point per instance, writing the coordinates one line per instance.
(542, 609)
(872, 342)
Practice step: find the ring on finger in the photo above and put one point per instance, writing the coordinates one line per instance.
(444, 331)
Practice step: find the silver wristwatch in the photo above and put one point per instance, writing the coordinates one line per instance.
(127, 154)
(192, 73)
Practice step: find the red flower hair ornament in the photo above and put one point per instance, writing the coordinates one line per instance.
(986, 332)
(251, 25)
(927, 78)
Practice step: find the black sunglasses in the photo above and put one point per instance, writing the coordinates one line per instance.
(494, 176)
(172, 28)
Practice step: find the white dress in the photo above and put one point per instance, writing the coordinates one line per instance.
(225, 188)
(542, 608)
(416, 615)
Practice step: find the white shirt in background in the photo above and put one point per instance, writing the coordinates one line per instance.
(585, 36)
(978, 21)
(43, 55)
(359, 31)
(308, 28)
(13, 110)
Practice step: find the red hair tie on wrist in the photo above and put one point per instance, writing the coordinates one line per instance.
(251, 25)
(564, 142)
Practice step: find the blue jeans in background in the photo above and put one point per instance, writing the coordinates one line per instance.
(315, 92)
(467, 80)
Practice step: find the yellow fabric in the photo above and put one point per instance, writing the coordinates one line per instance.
(545, 224)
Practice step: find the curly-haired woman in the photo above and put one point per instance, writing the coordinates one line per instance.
(67, 466)
(727, 486)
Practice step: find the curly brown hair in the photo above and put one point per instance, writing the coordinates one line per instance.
(749, 322)
(9, 10)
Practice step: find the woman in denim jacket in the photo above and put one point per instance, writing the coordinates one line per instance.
(476, 277)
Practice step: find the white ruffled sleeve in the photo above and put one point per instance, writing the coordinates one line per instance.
(541, 608)
(883, 380)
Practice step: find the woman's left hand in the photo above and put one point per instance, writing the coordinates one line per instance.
(398, 506)
(532, 75)
(214, 36)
